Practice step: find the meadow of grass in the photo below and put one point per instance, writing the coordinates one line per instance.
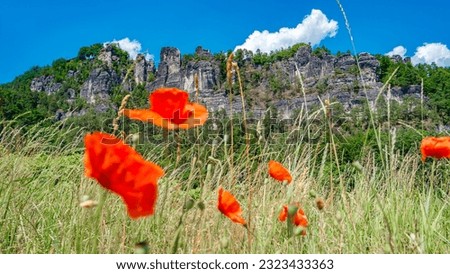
(383, 203)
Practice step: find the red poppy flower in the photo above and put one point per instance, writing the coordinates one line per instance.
(279, 172)
(299, 218)
(170, 108)
(119, 168)
(229, 206)
(437, 147)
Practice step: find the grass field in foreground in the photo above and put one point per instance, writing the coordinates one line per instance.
(401, 206)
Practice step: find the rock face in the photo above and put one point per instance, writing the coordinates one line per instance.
(98, 86)
(142, 69)
(168, 73)
(341, 78)
(107, 55)
(325, 75)
(171, 74)
(208, 74)
(46, 84)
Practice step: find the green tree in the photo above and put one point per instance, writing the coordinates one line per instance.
(90, 52)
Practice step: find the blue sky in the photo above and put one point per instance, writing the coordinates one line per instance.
(38, 32)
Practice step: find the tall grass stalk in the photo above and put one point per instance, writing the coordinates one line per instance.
(229, 67)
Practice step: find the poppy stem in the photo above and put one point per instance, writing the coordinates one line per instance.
(176, 241)
(197, 91)
(178, 140)
(99, 218)
(249, 205)
(248, 230)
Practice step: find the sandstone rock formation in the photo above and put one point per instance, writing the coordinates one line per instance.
(341, 78)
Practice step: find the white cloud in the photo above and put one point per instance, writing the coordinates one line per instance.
(399, 50)
(133, 47)
(314, 28)
(437, 53)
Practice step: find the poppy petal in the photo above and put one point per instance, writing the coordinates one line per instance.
(283, 214)
(171, 109)
(167, 101)
(229, 206)
(120, 169)
(279, 172)
(198, 116)
(436, 147)
(298, 219)
(149, 116)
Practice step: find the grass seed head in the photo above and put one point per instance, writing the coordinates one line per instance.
(320, 204)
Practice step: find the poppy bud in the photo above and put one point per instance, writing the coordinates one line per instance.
(141, 248)
(338, 216)
(88, 204)
(84, 198)
(201, 205)
(135, 138)
(320, 203)
(188, 204)
(224, 242)
(299, 230)
(292, 209)
(358, 166)
(312, 194)
(225, 138)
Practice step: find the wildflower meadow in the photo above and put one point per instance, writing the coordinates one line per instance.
(100, 194)
(176, 178)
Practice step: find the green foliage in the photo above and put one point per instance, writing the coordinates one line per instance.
(261, 58)
(151, 77)
(25, 108)
(340, 53)
(186, 58)
(322, 85)
(276, 84)
(436, 81)
(90, 52)
(408, 140)
(221, 59)
(406, 74)
(321, 51)
(123, 58)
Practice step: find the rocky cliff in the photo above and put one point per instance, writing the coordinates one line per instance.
(275, 83)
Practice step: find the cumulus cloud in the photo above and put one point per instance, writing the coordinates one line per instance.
(429, 53)
(437, 53)
(399, 50)
(133, 47)
(314, 28)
